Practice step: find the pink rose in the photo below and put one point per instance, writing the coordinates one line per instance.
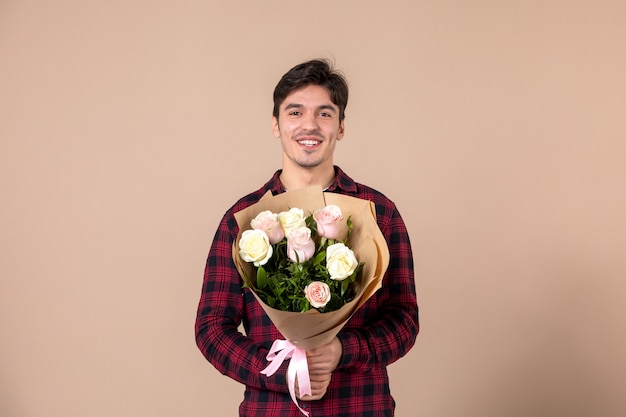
(317, 293)
(328, 221)
(268, 222)
(300, 246)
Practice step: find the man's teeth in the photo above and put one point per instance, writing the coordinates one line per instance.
(308, 142)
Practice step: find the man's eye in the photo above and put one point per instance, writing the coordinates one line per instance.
(294, 113)
(325, 114)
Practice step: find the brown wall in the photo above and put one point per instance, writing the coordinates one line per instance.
(128, 127)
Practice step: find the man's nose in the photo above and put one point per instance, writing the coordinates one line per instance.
(309, 122)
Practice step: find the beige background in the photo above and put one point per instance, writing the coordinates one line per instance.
(498, 127)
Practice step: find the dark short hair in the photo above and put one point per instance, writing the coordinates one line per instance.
(315, 72)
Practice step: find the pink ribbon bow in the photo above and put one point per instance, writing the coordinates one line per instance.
(298, 368)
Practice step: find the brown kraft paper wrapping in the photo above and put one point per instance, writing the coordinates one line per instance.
(311, 329)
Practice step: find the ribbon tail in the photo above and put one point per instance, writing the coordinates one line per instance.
(298, 368)
(275, 361)
(304, 380)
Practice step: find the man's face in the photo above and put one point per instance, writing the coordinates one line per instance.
(308, 127)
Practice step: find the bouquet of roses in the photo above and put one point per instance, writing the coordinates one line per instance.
(310, 272)
(278, 272)
(300, 262)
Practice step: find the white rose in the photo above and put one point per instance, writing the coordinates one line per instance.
(340, 261)
(254, 246)
(292, 219)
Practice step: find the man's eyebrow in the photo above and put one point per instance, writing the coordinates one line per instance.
(322, 107)
(327, 107)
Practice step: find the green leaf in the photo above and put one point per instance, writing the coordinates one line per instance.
(344, 286)
(246, 280)
(319, 258)
(350, 227)
(261, 278)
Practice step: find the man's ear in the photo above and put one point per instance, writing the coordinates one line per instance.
(275, 128)
(342, 130)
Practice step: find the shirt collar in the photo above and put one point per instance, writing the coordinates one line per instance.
(341, 183)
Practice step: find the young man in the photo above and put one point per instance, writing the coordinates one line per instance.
(348, 375)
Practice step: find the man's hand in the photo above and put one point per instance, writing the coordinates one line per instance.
(322, 361)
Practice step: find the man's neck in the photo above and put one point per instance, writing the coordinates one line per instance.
(300, 178)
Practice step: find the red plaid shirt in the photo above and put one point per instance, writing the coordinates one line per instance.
(379, 333)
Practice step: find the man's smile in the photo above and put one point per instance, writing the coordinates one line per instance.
(309, 142)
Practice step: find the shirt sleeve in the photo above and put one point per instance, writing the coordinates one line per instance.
(219, 316)
(392, 325)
